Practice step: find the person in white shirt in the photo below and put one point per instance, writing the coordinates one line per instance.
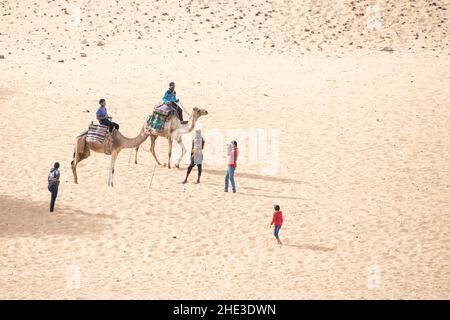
(196, 155)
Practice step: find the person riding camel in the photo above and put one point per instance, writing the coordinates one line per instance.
(103, 118)
(170, 99)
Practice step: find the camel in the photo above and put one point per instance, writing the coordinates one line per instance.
(83, 148)
(173, 130)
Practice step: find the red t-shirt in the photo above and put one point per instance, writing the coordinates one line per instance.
(277, 218)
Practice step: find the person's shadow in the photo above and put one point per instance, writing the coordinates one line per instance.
(262, 178)
(310, 247)
(258, 177)
(273, 197)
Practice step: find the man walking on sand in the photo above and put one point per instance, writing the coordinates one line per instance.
(232, 154)
(53, 184)
(196, 155)
(277, 220)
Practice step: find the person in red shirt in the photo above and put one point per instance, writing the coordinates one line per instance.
(232, 155)
(277, 220)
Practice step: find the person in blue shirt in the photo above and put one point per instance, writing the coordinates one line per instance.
(103, 118)
(170, 98)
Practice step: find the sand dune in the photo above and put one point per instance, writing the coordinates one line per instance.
(341, 110)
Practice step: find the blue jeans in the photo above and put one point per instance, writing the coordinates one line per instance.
(276, 230)
(230, 176)
(53, 188)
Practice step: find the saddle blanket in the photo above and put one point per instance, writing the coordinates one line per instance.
(97, 133)
(156, 121)
(163, 109)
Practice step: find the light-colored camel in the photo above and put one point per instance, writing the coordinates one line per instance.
(173, 130)
(83, 148)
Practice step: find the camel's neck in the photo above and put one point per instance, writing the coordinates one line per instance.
(188, 127)
(125, 142)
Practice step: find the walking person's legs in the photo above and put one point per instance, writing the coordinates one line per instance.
(54, 193)
(233, 185)
(276, 230)
(50, 189)
(227, 176)
(199, 167)
(189, 169)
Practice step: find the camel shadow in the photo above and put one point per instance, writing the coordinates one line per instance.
(310, 247)
(258, 177)
(26, 218)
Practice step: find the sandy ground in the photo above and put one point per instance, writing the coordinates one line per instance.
(352, 142)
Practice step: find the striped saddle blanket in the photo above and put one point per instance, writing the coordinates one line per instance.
(97, 133)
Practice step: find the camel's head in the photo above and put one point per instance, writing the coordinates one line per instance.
(197, 112)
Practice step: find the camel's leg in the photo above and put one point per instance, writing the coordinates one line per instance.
(135, 156)
(153, 148)
(74, 167)
(77, 158)
(183, 151)
(170, 151)
(111, 169)
(137, 148)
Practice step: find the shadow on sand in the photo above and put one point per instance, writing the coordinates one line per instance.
(257, 177)
(25, 218)
(257, 195)
(310, 247)
(271, 197)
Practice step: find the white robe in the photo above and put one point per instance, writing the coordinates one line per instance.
(198, 154)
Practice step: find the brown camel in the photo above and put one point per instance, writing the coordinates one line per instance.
(83, 148)
(173, 130)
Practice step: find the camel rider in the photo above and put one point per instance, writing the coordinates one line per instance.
(170, 98)
(103, 118)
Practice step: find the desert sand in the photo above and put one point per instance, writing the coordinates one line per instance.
(341, 112)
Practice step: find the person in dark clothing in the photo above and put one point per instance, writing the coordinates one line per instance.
(196, 155)
(53, 184)
(170, 98)
(103, 118)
